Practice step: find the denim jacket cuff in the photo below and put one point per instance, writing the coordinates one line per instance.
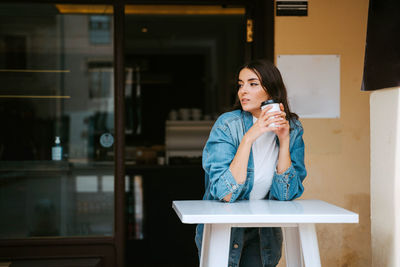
(284, 178)
(231, 185)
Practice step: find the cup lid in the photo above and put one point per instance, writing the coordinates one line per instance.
(267, 102)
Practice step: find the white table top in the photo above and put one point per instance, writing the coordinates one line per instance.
(262, 211)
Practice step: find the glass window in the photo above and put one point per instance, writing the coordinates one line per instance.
(57, 118)
(185, 55)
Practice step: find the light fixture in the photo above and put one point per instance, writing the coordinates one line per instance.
(85, 9)
(152, 9)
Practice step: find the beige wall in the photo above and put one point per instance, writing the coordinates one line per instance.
(337, 150)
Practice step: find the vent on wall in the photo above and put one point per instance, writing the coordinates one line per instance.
(291, 8)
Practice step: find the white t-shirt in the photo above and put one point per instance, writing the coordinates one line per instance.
(265, 156)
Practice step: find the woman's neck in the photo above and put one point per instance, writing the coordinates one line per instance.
(256, 114)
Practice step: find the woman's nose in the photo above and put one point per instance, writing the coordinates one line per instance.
(244, 89)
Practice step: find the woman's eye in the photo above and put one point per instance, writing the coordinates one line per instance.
(254, 84)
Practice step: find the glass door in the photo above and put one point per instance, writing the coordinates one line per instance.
(57, 119)
(182, 62)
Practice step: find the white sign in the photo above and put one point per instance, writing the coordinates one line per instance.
(313, 84)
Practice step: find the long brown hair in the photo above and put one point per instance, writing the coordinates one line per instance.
(271, 81)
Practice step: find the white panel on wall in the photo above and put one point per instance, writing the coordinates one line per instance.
(313, 84)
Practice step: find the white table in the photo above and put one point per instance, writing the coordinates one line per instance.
(297, 219)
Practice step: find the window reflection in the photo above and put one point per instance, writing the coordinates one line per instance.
(100, 29)
(107, 183)
(57, 80)
(86, 184)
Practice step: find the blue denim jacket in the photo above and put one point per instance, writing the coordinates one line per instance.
(218, 154)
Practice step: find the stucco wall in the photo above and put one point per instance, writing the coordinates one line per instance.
(337, 150)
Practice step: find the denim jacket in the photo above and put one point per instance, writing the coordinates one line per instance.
(218, 154)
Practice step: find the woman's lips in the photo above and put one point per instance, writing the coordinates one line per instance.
(244, 100)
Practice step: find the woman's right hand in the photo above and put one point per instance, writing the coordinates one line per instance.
(263, 124)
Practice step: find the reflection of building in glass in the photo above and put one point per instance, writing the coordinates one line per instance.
(57, 80)
(50, 56)
(92, 111)
(100, 29)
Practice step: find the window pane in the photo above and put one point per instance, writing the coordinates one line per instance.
(57, 118)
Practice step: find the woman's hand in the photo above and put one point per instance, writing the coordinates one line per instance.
(266, 122)
(282, 129)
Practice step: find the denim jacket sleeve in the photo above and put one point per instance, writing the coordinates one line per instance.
(288, 185)
(218, 154)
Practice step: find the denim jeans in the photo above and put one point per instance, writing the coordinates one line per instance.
(251, 256)
(251, 253)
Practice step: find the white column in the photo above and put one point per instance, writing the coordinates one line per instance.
(385, 177)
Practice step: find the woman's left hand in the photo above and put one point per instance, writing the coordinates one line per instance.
(282, 126)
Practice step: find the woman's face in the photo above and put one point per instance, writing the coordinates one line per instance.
(251, 93)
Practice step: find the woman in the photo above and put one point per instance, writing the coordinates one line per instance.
(255, 154)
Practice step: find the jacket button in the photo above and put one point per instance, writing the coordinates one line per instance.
(236, 246)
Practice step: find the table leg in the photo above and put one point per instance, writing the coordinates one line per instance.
(309, 244)
(215, 245)
(291, 240)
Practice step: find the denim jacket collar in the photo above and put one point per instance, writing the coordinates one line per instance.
(247, 120)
